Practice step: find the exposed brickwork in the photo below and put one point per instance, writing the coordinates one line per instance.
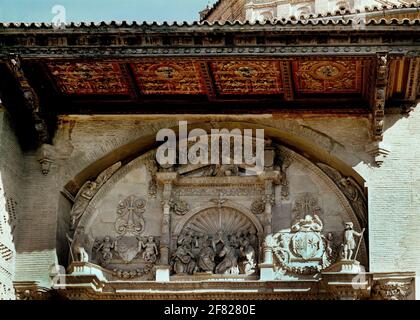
(394, 199)
(10, 170)
(227, 10)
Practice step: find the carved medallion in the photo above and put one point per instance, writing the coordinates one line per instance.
(327, 76)
(247, 77)
(169, 77)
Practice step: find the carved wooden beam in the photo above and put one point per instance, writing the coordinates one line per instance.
(379, 96)
(286, 72)
(377, 149)
(30, 98)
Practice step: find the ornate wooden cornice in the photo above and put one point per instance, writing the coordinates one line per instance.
(30, 98)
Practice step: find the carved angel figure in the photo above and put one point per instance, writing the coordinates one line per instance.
(88, 190)
(150, 250)
(106, 248)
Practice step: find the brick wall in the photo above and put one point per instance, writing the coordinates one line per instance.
(228, 10)
(11, 166)
(394, 198)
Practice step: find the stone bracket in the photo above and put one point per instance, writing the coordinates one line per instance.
(379, 151)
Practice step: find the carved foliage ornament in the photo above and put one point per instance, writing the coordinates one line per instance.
(328, 76)
(89, 77)
(386, 289)
(247, 77)
(169, 77)
(130, 219)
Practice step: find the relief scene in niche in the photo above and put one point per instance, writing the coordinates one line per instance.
(216, 222)
(216, 241)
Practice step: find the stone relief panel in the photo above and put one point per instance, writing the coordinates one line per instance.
(313, 192)
(123, 234)
(212, 219)
(217, 240)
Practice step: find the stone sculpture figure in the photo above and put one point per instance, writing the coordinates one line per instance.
(206, 258)
(229, 264)
(184, 260)
(355, 195)
(82, 200)
(150, 252)
(248, 253)
(88, 190)
(106, 248)
(308, 224)
(186, 239)
(349, 243)
(218, 240)
(79, 253)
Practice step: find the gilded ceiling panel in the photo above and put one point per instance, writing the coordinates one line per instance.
(326, 76)
(247, 77)
(89, 77)
(169, 77)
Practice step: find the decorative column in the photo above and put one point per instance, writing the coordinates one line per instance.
(166, 179)
(267, 267)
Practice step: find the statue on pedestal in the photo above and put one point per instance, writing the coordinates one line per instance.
(349, 243)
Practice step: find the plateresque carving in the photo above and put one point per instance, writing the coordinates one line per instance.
(351, 190)
(88, 190)
(302, 249)
(130, 219)
(216, 241)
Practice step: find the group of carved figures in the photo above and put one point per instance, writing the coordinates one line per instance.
(217, 254)
(109, 247)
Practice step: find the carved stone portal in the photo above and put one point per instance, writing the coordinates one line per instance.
(217, 241)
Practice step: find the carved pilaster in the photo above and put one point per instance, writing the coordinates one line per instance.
(269, 177)
(166, 179)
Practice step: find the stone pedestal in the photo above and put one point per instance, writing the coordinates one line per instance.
(347, 280)
(346, 266)
(266, 272)
(162, 273)
(83, 269)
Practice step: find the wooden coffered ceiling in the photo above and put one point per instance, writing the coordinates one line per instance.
(284, 66)
(128, 85)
